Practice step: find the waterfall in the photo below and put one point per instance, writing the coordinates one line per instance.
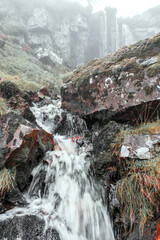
(62, 191)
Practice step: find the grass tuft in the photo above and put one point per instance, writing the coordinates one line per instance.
(139, 187)
(4, 109)
(139, 191)
(7, 181)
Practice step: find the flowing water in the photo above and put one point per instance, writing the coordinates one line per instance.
(63, 192)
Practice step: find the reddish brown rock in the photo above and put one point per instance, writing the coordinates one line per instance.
(18, 103)
(119, 85)
(44, 92)
(22, 145)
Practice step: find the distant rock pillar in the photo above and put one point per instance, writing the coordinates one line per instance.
(110, 30)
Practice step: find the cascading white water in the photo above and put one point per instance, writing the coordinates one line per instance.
(70, 202)
(63, 193)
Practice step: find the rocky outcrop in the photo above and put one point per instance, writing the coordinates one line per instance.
(102, 140)
(22, 143)
(119, 85)
(26, 227)
(22, 146)
(140, 146)
(69, 34)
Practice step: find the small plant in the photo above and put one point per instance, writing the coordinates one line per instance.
(4, 109)
(7, 181)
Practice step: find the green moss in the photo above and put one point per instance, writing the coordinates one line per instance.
(130, 96)
(104, 157)
(132, 67)
(153, 70)
(22, 67)
(82, 80)
(22, 156)
(4, 108)
(9, 89)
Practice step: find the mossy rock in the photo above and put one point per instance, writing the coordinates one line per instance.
(9, 89)
(22, 156)
(153, 70)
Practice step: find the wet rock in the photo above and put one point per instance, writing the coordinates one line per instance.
(26, 227)
(22, 146)
(102, 148)
(151, 231)
(140, 146)
(118, 84)
(9, 89)
(45, 92)
(70, 125)
(22, 106)
(14, 197)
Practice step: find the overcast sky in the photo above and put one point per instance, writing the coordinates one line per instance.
(125, 8)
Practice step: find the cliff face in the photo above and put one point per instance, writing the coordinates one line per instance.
(71, 34)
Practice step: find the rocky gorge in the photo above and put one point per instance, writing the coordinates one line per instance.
(109, 107)
(70, 34)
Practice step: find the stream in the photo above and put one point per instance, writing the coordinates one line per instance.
(62, 191)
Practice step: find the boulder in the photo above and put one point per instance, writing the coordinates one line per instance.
(140, 146)
(120, 85)
(26, 227)
(103, 159)
(22, 146)
(18, 103)
(9, 89)
(69, 125)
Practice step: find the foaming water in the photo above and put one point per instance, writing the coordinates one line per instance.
(70, 203)
(62, 192)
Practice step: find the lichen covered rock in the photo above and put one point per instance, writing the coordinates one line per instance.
(22, 146)
(117, 84)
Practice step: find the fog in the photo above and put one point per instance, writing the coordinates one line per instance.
(72, 32)
(124, 8)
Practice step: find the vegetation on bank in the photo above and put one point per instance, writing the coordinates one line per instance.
(4, 108)
(7, 181)
(139, 191)
(18, 64)
(145, 128)
(22, 83)
(139, 187)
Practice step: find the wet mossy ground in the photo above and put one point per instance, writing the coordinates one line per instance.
(19, 65)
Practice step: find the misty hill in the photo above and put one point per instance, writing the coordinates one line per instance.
(69, 34)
